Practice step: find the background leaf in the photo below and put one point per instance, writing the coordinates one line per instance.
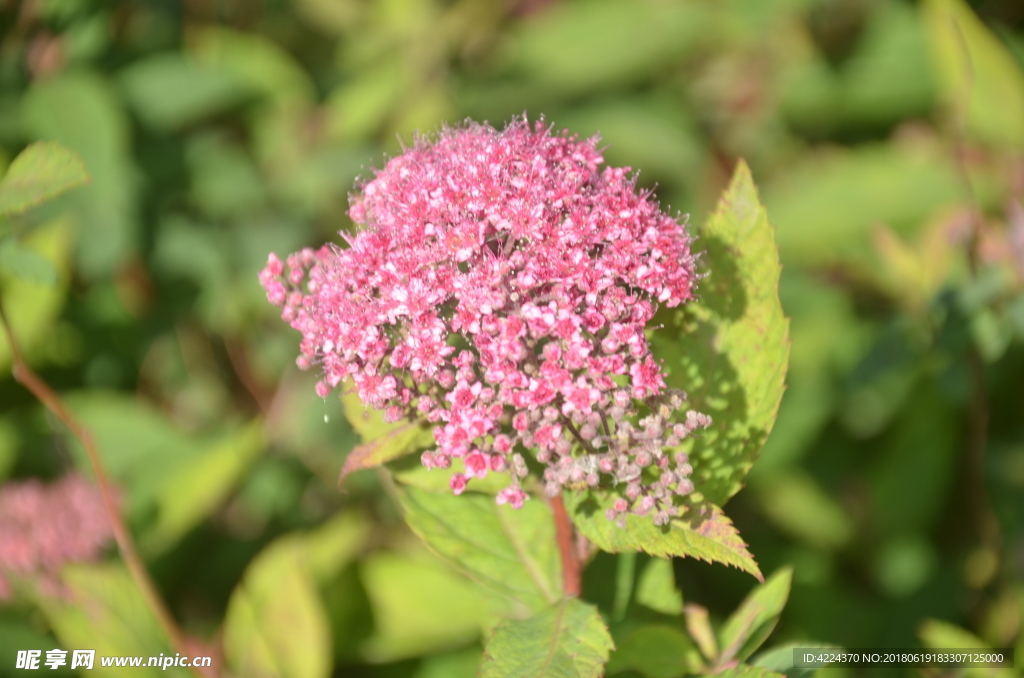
(981, 84)
(567, 640)
(754, 620)
(106, 613)
(276, 625)
(656, 651)
(40, 172)
(82, 112)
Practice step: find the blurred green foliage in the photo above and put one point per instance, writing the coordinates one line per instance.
(887, 137)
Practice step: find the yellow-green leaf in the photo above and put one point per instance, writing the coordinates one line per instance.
(703, 532)
(42, 171)
(980, 81)
(512, 552)
(567, 640)
(276, 625)
(730, 348)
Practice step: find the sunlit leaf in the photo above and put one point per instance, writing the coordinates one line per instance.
(732, 348)
(567, 640)
(40, 172)
(512, 552)
(703, 532)
(276, 625)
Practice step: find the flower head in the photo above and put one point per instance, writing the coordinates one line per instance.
(43, 527)
(545, 268)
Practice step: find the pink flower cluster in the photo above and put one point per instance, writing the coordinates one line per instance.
(499, 287)
(43, 527)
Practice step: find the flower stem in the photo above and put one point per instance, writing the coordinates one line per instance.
(572, 572)
(24, 375)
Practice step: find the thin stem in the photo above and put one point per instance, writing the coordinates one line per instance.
(572, 571)
(572, 429)
(24, 375)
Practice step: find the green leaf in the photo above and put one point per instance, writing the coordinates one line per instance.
(939, 635)
(753, 621)
(82, 111)
(275, 623)
(107, 613)
(182, 479)
(512, 552)
(168, 90)
(656, 651)
(25, 263)
(732, 349)
(42, 171)
(32, 308)
(780, 659)
(567, 640)
(799, 506)
(698, 623)
(419, 606)
(656, 588)
(853, 190)
(209, 479)
(703, 532)
(567, 50)
(981, 83)
(259, 63)
(382, 441)
(747, 671)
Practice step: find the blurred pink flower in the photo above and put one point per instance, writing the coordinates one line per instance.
(517, 245)
(42, 527)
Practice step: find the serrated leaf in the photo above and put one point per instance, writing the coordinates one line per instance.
(276, 625)
(382, 441)
(731, 348)
(656, 651)
(981, 83)
(753, 621)
(567, 640)
(42, 171)
(512, 552)
(703, 532)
